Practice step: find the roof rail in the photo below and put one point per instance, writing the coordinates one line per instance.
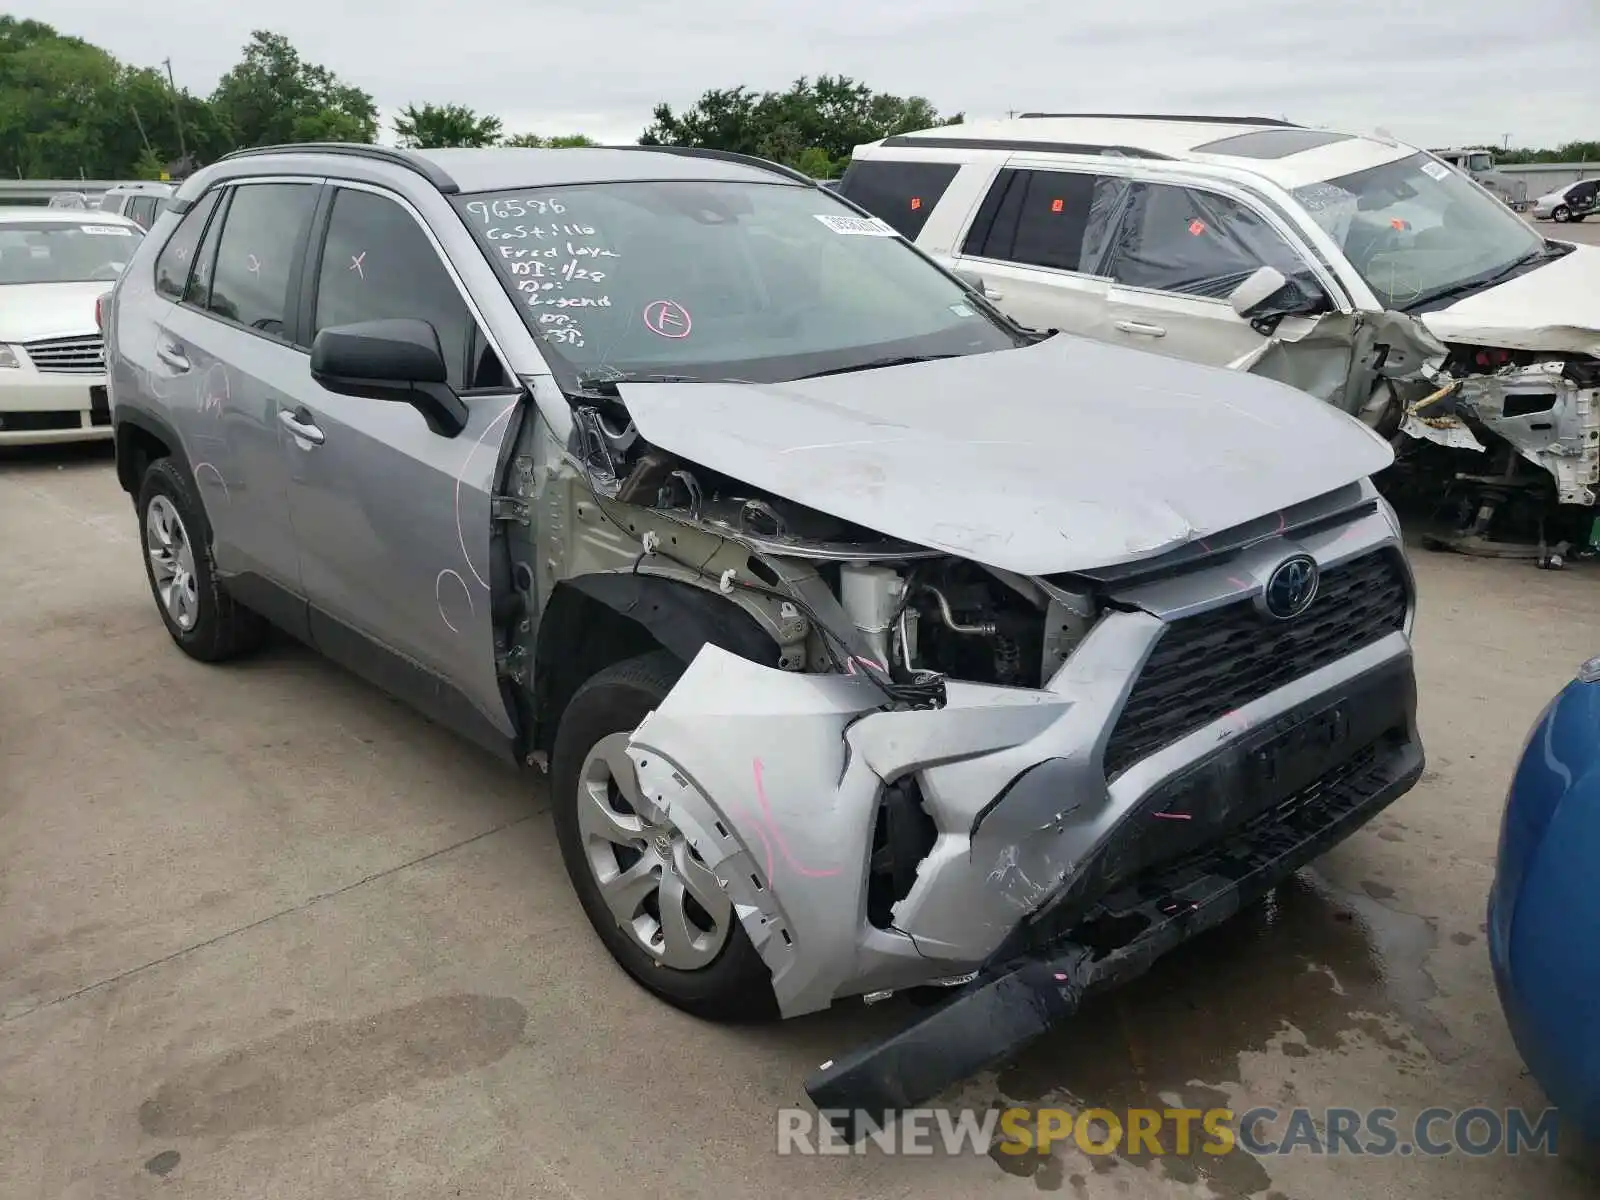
(909, 141)
(749, 160)
(1192, 118)
(388, 154)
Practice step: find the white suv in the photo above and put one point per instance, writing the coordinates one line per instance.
(141, 203)
(1142, 230)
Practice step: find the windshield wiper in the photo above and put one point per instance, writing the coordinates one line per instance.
(897, 361)
(1468, 286)
(607, 385)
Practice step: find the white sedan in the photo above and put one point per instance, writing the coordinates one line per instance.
(55, 264)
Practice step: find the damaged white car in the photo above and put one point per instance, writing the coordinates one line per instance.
(872, 642)
(1362, 270)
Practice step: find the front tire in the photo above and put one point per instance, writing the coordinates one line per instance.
(653, 903)
(202, 618)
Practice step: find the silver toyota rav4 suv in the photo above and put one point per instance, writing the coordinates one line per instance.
(871, 641)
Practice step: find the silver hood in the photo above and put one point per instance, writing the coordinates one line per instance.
(1061, 456)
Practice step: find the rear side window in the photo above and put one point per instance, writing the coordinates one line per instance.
(178, 255)
(261, 233)
(899, 193)
(1177, 239)
(1040, 219)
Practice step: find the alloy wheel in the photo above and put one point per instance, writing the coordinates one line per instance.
(171, 563)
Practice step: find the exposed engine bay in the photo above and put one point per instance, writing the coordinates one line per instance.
(1500, 446)
(918, 614)
(1530, 426)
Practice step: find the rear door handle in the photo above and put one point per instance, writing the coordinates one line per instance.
(1141, 328)
(172, 355)
(299, 423)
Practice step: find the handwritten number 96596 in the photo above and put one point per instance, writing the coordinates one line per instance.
(499, 210)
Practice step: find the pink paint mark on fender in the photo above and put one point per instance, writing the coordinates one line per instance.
(668, 319)
(1172, 816)
(772, 827)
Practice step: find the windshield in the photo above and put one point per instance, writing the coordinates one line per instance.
(717, 280)
(60, 252)
(1414, 229)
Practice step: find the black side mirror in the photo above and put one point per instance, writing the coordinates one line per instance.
(390, 360)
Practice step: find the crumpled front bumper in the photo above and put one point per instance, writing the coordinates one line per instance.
(1042, 975)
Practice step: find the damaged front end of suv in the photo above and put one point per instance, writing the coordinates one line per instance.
(995, 715)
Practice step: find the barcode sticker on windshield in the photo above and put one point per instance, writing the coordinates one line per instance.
(106, 230)
(1436, 170)
(865, 226)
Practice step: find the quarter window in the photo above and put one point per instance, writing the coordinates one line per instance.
(1176, 239)
(901, 194)
(178, 255)
(377, 264)
(261, 234)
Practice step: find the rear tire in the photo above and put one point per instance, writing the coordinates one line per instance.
(707, 967)
(202, 618)
(1562, 214)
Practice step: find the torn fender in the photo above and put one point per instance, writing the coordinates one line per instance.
(1341, 358)
(775, 777)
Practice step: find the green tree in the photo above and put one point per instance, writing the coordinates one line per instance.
(1586, 152)
(57, 103)
(149, 165)
(814, 161)
(272, 96)
(535, 140)
(813, 122)
(436, 125)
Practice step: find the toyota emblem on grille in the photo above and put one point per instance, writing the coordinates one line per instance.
(1291, 587)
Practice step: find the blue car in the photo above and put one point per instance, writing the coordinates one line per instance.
(1544, 911)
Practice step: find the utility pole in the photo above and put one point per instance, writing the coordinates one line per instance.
(143, 136)
(177, 113)
(1507, 138)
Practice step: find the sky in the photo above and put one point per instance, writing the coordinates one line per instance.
(1430, 72)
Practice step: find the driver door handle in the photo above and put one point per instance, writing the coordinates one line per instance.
(1140, 327)
(300, 424)
(172, 354)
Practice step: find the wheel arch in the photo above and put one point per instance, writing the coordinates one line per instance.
(595, 621)
(140, 438)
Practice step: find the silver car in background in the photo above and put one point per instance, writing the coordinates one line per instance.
(870, 640)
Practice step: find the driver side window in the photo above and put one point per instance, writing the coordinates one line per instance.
(378, 264)
(1197, 243)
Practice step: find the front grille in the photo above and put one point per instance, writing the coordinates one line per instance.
(1206, 666)
(69, 355)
